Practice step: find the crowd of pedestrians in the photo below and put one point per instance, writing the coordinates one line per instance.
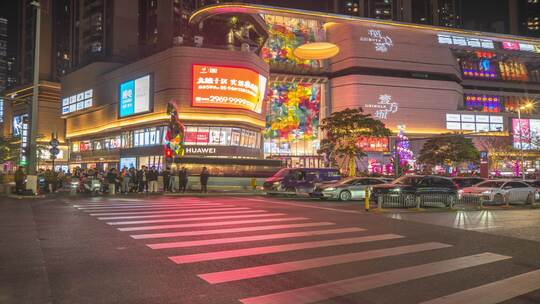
(113, 181)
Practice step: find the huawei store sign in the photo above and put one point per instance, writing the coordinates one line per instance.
(228, 88)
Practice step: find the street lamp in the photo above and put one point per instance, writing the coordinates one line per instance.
(526, 106)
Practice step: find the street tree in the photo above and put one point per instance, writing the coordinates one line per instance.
(448, 151)
(342, 130)
(9, 149)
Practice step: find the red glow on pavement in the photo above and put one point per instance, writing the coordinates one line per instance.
(252, 238)
(189, 219)
(211, 224)
(220, 255)
(230, 230)
(167, 210)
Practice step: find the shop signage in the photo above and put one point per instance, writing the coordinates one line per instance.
(1, 110)
(373, 144)
(228, 87)
(384, 107)
(135, 96)
(380, 41)
(474, 123)
(201, 150)
(516, 46)
(20, 128)
(77, 102)
(221, 151)
(465, 41)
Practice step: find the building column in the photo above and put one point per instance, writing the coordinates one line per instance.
(513, 13)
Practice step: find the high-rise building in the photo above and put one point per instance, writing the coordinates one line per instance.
(529, 18)
(3, 54)
(11, 72)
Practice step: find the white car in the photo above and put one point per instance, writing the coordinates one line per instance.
(501, 191)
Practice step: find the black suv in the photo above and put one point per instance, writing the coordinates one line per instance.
(417, 185)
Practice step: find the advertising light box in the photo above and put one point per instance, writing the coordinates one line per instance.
(77, 102)
(228, 88)
(135, 96)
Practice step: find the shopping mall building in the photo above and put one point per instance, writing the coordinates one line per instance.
(249, 105)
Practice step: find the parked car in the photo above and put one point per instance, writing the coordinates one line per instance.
(350, 188)
(502, 191)
(409, 186)
(299, 180)
(535, 184)
(464, 182)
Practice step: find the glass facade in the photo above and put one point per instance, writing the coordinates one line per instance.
(286, 34)
(292, 121)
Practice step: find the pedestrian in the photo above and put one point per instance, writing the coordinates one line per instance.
(132, 179)
(205, 175)
(50, 181)
(125, 180)
(142, 177)
(112, 177)
(20, 177)
(183, 176)
(173, 183)
(166, 179)
(153, 180)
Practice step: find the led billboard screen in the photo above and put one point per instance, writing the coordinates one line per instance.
(227, 87)
(135, 96)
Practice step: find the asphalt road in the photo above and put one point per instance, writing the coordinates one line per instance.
(255, 250)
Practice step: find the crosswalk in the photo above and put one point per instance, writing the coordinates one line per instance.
(187, 230)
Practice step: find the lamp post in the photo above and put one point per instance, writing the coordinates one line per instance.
(523, 107)
(32, 153)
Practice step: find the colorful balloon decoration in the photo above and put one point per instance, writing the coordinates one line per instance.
(293, 111)
(286, 34)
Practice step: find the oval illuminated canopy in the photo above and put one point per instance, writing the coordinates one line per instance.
(316, 50)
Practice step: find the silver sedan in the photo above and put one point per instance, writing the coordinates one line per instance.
(351, 188)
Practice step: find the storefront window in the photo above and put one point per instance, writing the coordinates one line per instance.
(112, 143)
(235, 136)
(127, 140)
(85, 146)
(75, 146)
(221, 136)
(148, 137)
(203, 135)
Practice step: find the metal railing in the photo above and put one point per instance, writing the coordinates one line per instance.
(439, 200)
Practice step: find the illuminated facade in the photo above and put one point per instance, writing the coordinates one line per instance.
(247, 102)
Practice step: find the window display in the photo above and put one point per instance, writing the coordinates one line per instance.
(221, 136)
(494, 103)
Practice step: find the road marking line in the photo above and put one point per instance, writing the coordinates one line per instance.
(252, 238)
(178, 214)
(219, 255)
(211, 224)
(495, 292)
(168, 210)
(305, 206)
(149, 206)
(230, 230)
(326, 291)
(273, 269)
(190, 219)
(142, 204)
(156, 208)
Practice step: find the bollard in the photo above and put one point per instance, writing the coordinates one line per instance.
(254, 184)
(418, 201)
(481, 202)
(366, 199)
(507, 202)
(379, 202)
